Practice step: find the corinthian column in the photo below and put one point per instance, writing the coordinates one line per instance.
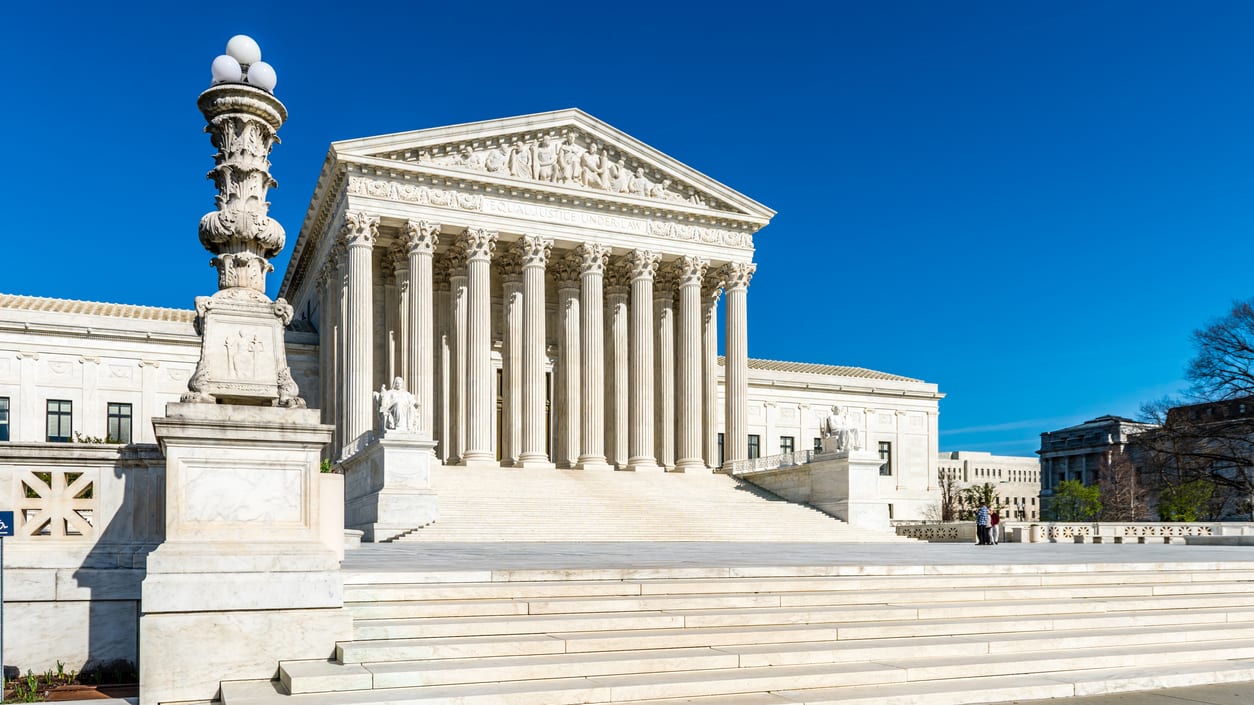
(616, 388)
(688, 444)
(325, 331)
(664, 358)
(533, 253)
(511, 356)
(340, 255)
(642, 264)
(442, 355)
(421, 238)
(710, 292)
(358, 234)
(386, 289)
(736, 389)
(566, 454)
(478, 245)
(403, 324)
(592, 259)
(457, 356)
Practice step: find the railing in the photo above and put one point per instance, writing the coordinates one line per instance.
(1080, 532)
(772, 462)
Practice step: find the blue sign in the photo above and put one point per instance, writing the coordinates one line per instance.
(6, 523)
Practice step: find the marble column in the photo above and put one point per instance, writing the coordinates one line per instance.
(689, 396)
(403, 325)
(736, 276)
(664, 359)
(340, 257)
(617, 288)
(325, 331)
(511, 355)
(592, 260)
(533, 253)
(442, 354)
(391, 317)
(478, 245)
(421, 238)
(566, 452)
(457, 356)
(642, 265)
(710, 292)
(359, 234)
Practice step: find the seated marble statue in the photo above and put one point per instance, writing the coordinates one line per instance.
(398, 409)
(837, 426)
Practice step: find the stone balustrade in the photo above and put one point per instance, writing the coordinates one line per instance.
(1089, 532)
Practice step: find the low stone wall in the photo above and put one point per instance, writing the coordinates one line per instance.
(1199, 533)
(86, 518)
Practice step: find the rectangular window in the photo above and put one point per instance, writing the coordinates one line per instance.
(119, 429)
(886, 455)
(786, 444)
(4, 418)
(722, 457)
(60, 416)
(755, 446)
(818, 445)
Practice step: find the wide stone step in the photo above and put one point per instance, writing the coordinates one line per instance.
(622, 602)
(828, 683)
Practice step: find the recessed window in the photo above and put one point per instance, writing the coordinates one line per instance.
(886, 458)
(755, 446)
(722, 457)
(4, 418)
(818, 444)
(119, 429)
(786, 444)
(60, 421)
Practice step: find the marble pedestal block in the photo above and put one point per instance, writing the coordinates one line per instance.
(245, 575)
(387, 487)
(846, 485)
(242, 355)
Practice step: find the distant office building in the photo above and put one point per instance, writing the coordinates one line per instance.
(1017, 479)
(1080, 452)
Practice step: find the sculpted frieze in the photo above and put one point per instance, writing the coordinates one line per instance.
(571, 158)
(425, 195)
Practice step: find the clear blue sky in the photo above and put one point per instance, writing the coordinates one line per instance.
(1031, 204)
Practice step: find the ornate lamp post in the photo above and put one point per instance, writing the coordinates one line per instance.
(242, 357)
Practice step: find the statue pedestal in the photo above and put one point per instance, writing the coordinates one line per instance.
(846, 485)
(245, 576)
(387, 487)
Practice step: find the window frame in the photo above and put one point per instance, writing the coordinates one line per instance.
(65, 420)
(111, 415)
(5, 419)
(886, 455)
(754, 446)
(790, 446)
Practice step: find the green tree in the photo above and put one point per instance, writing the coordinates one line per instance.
(1185, 502)
(1074, 501)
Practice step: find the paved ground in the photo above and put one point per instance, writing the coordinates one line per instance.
(404, 557)
(1224, 694)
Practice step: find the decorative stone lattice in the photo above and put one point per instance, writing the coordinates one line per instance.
(56, 503)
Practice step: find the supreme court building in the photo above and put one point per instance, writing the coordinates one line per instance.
(545, 285)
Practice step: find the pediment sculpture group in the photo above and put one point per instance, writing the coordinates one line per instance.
(397, 409)
(561, 160)
(842, 429)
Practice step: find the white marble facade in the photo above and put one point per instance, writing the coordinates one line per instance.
(545, 284)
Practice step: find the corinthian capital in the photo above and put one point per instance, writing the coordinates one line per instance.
(736, 275)
(421, 236)
(566, 269)
(360, 228)
(477, 243)
(534, 250)
(689, 270)
(642, 264)
(617, 276)
(592, 257)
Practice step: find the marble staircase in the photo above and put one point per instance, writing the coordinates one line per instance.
(937, 635)
(576, 505)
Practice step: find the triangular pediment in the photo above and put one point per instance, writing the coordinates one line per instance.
(566, 149)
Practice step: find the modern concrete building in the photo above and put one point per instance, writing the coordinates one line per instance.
(1017, 479)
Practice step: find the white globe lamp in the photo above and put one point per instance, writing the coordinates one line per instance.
(243, 49)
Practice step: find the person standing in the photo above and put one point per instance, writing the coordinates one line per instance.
(981, 525)
(994, 527)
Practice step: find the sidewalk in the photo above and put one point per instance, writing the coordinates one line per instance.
(1222, 694)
